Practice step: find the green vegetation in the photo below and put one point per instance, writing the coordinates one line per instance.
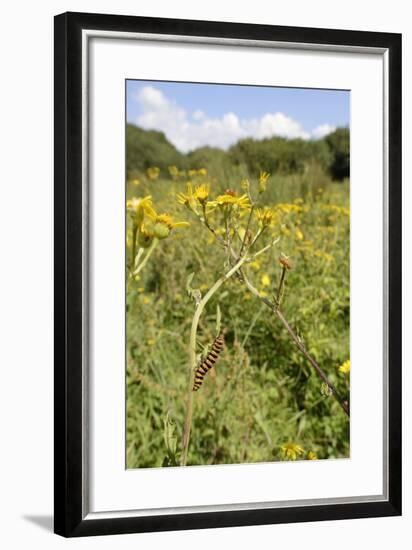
(263, 401)
(146, 148)
(338, 143)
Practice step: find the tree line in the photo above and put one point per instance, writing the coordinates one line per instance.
(147, 148)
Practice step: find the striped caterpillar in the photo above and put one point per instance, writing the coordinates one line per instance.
(208, 362)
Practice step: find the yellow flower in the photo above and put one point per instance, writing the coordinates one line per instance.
(139, 207)
(202, 172)
(151, 342)
(345, 367)
(299, 234)
(135, 181)
(153, 173)
(174, 172)
(264, 216)
(189, 198)
(202, 192)
(263, 181)
(265, 279)
(255, 265)
(168, 221)
(291, 451)
(231, 200)
(311, 456)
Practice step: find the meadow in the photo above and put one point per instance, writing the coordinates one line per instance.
(263, 400)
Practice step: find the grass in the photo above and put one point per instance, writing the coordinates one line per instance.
(263, 393)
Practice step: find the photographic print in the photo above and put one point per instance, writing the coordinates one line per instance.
(237, 287)
(216, 276)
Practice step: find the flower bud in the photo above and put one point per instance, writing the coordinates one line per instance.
(161, 231)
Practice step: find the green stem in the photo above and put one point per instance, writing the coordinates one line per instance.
(264, 249)
(134, 237)
(206, 223)
(192, 355)
(149, 252)
(247, 229)
(258, 234)
(137, 258)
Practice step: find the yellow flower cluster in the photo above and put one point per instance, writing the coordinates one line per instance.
(199, 194)
(292, 451)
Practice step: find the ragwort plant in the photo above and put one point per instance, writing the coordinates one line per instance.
(238, 221)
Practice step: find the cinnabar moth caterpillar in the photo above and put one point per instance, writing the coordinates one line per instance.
(208, 362)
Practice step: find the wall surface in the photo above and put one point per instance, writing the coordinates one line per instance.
(26, 399)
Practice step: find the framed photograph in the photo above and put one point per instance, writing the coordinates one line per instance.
(227, 274)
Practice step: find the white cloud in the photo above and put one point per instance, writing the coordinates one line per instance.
(187, 132)
(322, 131)
(275, 124)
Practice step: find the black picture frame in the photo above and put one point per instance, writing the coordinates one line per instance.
(69, 517)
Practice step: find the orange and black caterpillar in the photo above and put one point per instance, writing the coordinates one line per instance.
(208, 362)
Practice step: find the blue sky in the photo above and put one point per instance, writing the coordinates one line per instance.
(193, 115)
